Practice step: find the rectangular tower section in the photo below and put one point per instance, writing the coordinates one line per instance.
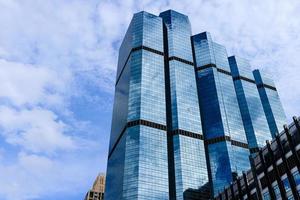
(254, 119)
(138, 159)
(270, 100)
(224, 134)
(184, 124)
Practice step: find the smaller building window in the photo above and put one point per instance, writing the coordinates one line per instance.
(266, 196)
(286, 184)
(277, 191)
(296, 176)
(290, 197)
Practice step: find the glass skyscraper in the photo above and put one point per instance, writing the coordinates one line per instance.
(270, 100)
(138, 156)
(254, 118)
(185, 130)
(225, 136)
(183, 121)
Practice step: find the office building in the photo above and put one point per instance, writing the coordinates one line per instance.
(185, 131)
(138, 152)
(177, 128)
(97, 191)
(270, 100)
(254, 119)
(225, 136)
(274, 171)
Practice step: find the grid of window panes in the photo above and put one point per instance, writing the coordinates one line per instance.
(219, 165)
(152, 32)
(212, 123)
(153, 164)
(250, 134)
(229, 109)
(115, 169)
(254, 119)
(134, 102)
(296, 176)
(139, 95)
(131, 166)
(285, 180)
(220, 89)
(147, 97)
(120, 109)
(146, 164)
(189, 153)
(218, 104)
(277, 109)
(262, 76)
(184, 98)
(257, 116)
(239, 159)
(179, 33)
(233, 119)
(240, 67)
(271, 102)
(190, 165)
(203, 49)
(144, 29)
(220, 55)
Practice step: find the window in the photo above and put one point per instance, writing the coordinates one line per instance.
(266, 196)
(286, 184)
(296, 176)
(290, 197)
(277, 191)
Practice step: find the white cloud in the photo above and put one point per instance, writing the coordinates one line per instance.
(265, 32)
(24, 84)
(52, 52)
(37, 130)
(33, 176)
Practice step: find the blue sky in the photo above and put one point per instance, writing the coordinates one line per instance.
(57, 71)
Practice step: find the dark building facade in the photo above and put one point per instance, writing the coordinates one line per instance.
(178, 129)
(274, 170)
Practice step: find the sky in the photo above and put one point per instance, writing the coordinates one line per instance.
(58, 61)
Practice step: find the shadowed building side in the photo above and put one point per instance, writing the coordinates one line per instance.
(253, 115)
(224, 134)
(270, 100)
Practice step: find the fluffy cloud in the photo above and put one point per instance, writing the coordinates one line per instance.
(24, 84)
(33, 176)
(265, 32)
(57, 69)
(37, 130)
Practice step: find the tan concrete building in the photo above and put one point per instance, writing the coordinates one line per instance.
(97, 191)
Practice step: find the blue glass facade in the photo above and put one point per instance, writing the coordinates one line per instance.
(138, 159)
(184, 116)
(220, 114)
(189, 155)
(270, 100)
(254, 119)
